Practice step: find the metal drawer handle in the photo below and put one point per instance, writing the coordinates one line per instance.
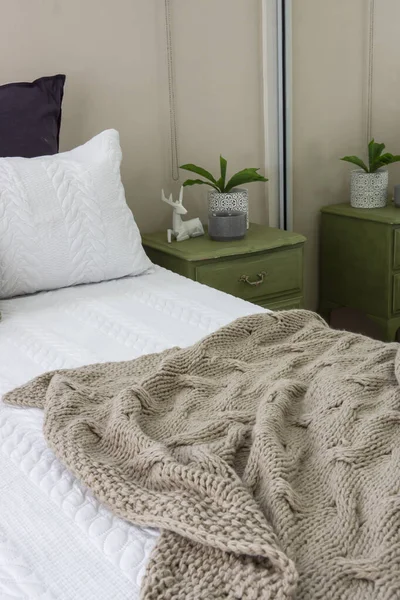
(246, 279)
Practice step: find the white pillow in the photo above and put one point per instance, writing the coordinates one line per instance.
(64, 220)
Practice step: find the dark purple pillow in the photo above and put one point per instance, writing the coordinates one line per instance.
(30, 117)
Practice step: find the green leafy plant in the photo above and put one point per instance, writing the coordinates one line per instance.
(376, 159)
(240, 178)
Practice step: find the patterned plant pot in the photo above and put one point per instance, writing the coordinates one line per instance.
(369, 190)
(237, 200)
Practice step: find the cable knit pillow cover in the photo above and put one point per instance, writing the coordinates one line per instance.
(64, 220)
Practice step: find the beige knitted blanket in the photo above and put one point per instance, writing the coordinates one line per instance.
(268, 454)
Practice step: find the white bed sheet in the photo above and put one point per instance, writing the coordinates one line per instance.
(57, 542)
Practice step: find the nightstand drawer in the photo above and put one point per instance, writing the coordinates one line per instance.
(396, 249)
(256, 276)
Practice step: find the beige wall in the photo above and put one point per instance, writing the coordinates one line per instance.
(113, 53)
(328, 117)
(386, 97)
(114, 56)
(330, 41)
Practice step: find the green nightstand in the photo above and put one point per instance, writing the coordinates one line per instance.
(266, 267)
(360, 264)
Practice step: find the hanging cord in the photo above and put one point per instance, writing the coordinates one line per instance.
(370, 68)
(172, 99)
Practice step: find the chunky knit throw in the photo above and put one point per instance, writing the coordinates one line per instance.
(268, 454)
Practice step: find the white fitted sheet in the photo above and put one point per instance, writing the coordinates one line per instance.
(57, 542)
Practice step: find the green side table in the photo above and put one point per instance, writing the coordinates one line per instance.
(266, 267)
(360, 264)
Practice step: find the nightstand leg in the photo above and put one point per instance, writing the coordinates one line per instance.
(388, 328)
(391, 330)
(325, 313)
(325, 309)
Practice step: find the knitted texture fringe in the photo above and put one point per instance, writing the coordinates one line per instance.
(268, 454)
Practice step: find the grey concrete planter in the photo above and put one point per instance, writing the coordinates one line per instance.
(237, 200)
(369, 190)
(227, 226)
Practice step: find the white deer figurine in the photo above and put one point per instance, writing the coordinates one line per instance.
(181, 230)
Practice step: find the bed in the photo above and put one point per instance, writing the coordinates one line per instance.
(56, 540)
(267, 453)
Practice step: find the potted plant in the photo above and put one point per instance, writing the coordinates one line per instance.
(369, 184)
(225, 196)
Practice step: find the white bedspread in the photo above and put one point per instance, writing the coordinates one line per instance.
(57, 542)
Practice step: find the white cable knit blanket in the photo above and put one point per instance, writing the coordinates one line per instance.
(268, 453)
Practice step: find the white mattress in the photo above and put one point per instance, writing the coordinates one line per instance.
(56, 540)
